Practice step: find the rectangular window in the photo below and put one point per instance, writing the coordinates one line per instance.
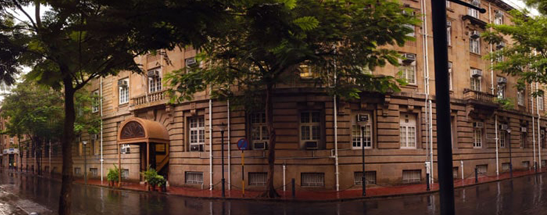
(501, 91)
(412, 176)
(310, 127)
(95, 102)
(125, 173)
(413, 33)
(523, 139)
(123, 92)
(408, 131)
(259, 129)
(505, 167)
(408, 71)
(520, 97)
(476, 83)
(154, 81)
(540, 102)
(306, 71)
(77, 171)
(475, 45)
(370, 177)
(194, 177)
(482, 169)
(313, 179)
(477, 134)
(526, 164)
(472, 12)
(502, 138)
(197, 133)
(361, 132)
(94, 172)
(450, 74)
(97, 145)
(449, 32)
(80, 148)
(258, 178)
(498, 18)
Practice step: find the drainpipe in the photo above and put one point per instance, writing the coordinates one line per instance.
(539, 129)
(491, 60)
(210, 143)
(229, 150)
(431, 142)
(337, 172)
(427, 102)
(497, 156)
(101, 107)
(533, 124)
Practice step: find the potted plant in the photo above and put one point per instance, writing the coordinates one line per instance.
(150, 176)
(161, 183)
(113, 175)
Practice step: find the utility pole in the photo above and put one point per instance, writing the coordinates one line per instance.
(442, 96)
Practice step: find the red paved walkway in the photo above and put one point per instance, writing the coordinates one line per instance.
(312, 195)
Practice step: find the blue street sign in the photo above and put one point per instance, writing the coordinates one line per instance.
(242, 144)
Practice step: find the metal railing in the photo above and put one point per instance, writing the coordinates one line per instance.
(469, 94)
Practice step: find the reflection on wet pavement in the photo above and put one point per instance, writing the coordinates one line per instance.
(21, 192)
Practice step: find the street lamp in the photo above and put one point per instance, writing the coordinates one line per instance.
(361, 120)
(508, 139)
(222, 127)
(85, 162)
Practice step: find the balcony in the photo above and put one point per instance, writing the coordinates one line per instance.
(480, 99)
(150, 100)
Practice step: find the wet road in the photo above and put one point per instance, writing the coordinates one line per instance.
(20, 192)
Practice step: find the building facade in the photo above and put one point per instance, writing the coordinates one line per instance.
(319, 138)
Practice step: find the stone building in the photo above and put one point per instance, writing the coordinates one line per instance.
(319, 138)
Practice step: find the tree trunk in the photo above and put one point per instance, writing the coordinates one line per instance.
(270, 189)
(67, 140)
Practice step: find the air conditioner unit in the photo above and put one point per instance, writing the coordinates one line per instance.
(502, 80)
(153, 73)
(409, 58)
(523, 129)
(190, 61)
(476, 72)
(196, 148)
(500, 45)
(448, 23)
(504, 127)
(478, 125)
(260, 145)
(362, 117)
(312, 145)
(475, 35)
(122, 83)
(126, 149)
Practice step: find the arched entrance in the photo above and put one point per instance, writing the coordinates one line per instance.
(151, 138)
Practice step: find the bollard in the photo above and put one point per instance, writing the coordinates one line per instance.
(293, 188)
(476, 175)
(427, 180)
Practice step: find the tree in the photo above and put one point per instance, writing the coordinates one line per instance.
(78, 41)
(37, 112)
(268, 40)
(525, 55)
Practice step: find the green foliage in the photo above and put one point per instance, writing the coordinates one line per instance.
(113, 174)
(505, 103)
(152, 178)
(525, 57)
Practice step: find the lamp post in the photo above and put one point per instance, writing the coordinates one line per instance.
(222, 127)
(508, 139)
(85, 162)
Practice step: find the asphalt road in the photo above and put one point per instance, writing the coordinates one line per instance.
(21, 194)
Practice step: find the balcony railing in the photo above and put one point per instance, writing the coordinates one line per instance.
(480, 97)
(154, 98)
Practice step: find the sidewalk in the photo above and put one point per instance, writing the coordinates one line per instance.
(314, 195)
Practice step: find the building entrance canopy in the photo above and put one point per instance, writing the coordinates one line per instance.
(138, 130)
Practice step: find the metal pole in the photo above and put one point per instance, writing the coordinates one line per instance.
(222, 152)
(243, 172)
(442, 95)
(363, 179)
(85, 163)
